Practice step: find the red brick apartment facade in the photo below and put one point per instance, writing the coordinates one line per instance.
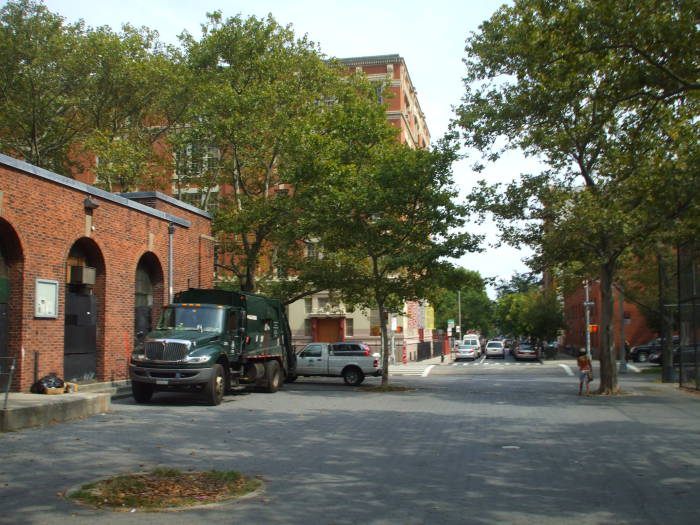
(82, 271)
(403, 109)
(636, 329)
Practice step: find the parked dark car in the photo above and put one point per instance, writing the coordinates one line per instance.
(641, 353)
(688, 355)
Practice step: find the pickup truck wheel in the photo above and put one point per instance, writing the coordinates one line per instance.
(215, 388)
(142, 392)
(273, 377)
(290, 378)
(353, 376)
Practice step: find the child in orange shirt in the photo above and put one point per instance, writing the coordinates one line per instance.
(585, 371)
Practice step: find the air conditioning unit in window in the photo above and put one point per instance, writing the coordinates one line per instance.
(82, 275)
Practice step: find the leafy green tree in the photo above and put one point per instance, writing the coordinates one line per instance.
(69, 94)
(41, 81)
(509, 314)
(556, 79)
(544, 315)
(518, 283)
(136, 90)
(388, 217)
(476, 307)
(260, 90)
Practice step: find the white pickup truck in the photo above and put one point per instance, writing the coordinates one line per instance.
(350, 360)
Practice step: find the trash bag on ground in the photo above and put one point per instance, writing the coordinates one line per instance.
(49, 381)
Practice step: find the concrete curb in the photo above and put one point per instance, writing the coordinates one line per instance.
(31, 410)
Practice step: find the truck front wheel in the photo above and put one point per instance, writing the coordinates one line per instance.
(273, 377)
(142, 392)
(215, 388)
(353, 376)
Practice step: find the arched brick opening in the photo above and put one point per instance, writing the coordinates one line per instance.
(84, 346)
(149, 295)
(11, 273)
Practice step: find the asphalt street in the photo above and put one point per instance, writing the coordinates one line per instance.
(486, 443)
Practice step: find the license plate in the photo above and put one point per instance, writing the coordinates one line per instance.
(161, 382)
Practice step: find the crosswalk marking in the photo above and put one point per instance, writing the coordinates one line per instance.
(423, 370)
(491, 363)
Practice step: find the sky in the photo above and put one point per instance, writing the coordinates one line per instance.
(430, 36)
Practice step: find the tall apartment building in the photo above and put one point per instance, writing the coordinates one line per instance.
(403, 108)
(319, 317)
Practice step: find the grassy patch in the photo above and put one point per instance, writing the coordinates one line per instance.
(164, 488)
(651, 371)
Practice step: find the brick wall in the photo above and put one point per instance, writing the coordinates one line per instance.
(43, 215)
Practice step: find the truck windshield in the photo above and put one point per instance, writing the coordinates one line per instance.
(204, 319)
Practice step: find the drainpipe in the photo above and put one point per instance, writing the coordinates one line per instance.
(171, 232)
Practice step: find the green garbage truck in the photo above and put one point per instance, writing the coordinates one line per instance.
(212, 341)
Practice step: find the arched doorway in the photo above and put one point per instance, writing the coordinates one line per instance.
(11, 262)
(148, 298)
(85, 282)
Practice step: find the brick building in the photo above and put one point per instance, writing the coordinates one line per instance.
(83, 271)
(636, 329)
(403, 109)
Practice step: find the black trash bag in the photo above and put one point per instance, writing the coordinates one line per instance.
(49, 381)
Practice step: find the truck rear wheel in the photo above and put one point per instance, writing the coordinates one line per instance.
(215, 388)
(273, 377)
(142, 392)
(353, 376)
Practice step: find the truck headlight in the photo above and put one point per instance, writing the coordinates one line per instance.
(138, 357)
(196, 359)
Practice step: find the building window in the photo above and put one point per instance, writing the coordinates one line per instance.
(379, 92)
(322, 302)
(308, 305)
(349, 327)
(195, 159)
(307, 327)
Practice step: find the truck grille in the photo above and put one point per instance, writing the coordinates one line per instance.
(164, 351)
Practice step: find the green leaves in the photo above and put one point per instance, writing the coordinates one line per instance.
(606, 95)
(40, 85)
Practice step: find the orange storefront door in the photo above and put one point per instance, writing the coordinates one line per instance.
(328, 330)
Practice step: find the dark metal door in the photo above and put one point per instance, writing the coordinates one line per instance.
(4, 363)
(142, 323)
(80, 344)
(4, 329)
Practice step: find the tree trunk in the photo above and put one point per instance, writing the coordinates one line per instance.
(667, 374)
(608, 368)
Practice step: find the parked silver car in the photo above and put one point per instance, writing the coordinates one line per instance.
(466, 352)
(495, 349)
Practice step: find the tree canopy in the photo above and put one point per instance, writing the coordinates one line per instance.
(604, 94)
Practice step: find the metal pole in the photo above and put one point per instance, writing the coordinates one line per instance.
(623, 353)
(587, 306)
(459, 312)
(171, 232)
